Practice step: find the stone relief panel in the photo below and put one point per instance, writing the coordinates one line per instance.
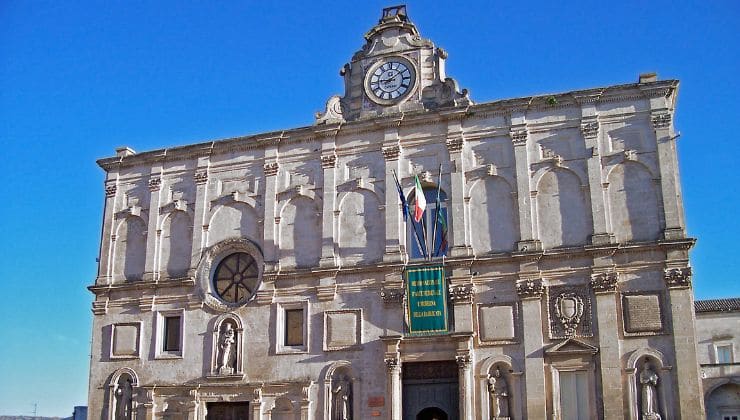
(300, 233)
(633, 203)
(569, 311)
(642, 314)
(235, 220)
(130, 250)
(361, 230)
(497, 323)
(177, 239)
(493, 210)
(342, 329)
(564, 217)
(125, 340)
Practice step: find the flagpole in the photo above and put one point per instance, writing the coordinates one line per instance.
(437, 206)
(405, 204)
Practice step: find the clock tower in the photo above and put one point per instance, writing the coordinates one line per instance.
(396, 71)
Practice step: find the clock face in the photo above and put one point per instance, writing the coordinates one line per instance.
(390, 80)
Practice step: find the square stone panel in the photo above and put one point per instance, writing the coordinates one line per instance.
(125, 340)
(342, 329)
(496, 323)
(642, 313)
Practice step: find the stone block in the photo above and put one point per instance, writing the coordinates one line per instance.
(125, 340)
(642, 313)
(496, 323)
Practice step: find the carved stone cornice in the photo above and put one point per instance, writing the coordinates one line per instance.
(155, 184)
(110, 190)
(661, 120)
(519, 135)
(455, 145)
(392, 296)
(271, 169)
(391, 363)
(328, 161)
(200, 177)
(677, 277)
(589, 128)
(530, 289)
(462, 293)
(604, 282)
(391, 152)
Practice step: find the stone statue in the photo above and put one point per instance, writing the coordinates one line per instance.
(498, 392)
(124, 398)
(649, 381)
(341, 407)
(226, 348)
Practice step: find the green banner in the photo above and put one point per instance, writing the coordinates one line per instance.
(426, 300)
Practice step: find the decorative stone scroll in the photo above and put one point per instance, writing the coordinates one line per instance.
(677, 277)
(332, 113)
(604, 282)
(462, 293)
(391, 152)
(529, 289)
(661, 120)
(569, 311)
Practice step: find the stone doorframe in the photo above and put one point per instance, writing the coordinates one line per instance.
(455, 346)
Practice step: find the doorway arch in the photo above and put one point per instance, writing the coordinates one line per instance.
(432, 413)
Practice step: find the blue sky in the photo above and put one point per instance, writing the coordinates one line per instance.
(78, 79)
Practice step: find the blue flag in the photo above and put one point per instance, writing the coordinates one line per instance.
(404, 203)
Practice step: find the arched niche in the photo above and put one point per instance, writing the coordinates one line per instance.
(633, 203)
(361, 229)
(563, 213)
(341, 391)
(300, 233)
(122, 385)
(130, 250)
(234, 220)
(511, 374)
(635, 366)
(494, 219)
(227, 347)
(722, 398)
(176, 245)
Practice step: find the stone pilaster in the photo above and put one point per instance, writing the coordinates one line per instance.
(461, 296)
(604, 286)
(530, 292)
(670, 186)
(394, 226)
(105, 257)
(151, 271)
(590, 128)
(392, 360)
(256, 405)
(270, 246)
(329, 228)
(202, 207)
(465, 385)
(456, 204)
(683, 319)
(519, 137)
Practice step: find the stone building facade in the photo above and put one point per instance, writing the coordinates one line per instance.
(718, 341)
(261, 277)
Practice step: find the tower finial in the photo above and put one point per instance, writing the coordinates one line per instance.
(395, 13)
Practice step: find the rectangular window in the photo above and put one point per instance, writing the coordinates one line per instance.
(724, 354)
(574, 396)
(171, 333)
(294, 327)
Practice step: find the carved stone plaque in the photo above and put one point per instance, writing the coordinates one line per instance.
(125, 342)
(342, 329)
(642, 313)
(496, 323)
(569, 311)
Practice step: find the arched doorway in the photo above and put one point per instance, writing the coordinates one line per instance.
(432, 413)
(723, 403)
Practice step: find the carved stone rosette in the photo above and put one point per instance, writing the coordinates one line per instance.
(662, 120)
(529, 289)
(392, 296)
(677, 277)
(271, 169)
(462, 293)
(569, 310)
(391, 152)
(454, 145)
(604, 282)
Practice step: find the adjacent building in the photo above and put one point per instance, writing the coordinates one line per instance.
(274, 276)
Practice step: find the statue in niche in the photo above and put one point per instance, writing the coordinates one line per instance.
(498, 392)
(341, 407)
(226, 343)
(124, 398)
(649, 382)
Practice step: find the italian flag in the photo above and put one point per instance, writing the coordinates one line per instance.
(420, 201)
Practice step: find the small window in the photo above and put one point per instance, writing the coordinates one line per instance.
(724, 354)
(294, 327)
(171, 333)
